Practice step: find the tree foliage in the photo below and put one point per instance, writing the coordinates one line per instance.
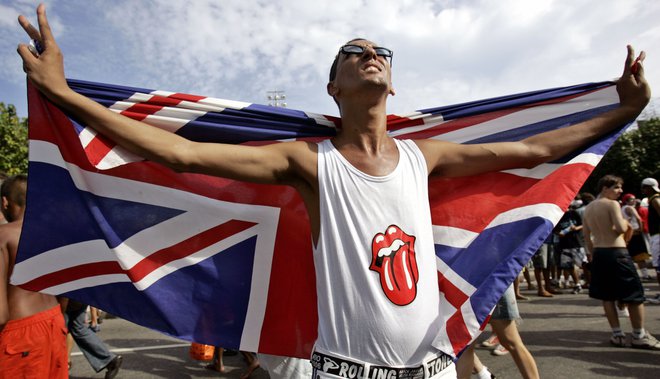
(633, 157)
(13, 141)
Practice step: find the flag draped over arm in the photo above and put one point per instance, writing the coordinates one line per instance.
(230, 263)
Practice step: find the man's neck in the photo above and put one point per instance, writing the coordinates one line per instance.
(604, 196)
(364, 126)
(15, 214)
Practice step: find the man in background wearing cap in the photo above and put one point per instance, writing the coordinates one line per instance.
(651, 190)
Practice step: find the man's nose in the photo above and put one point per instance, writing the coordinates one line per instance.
(369, 52)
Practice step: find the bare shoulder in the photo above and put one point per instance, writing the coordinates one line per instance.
(655, 201)
(11, 232)
(595, 206)
(440, 154)
(604, 206)
(301, 153)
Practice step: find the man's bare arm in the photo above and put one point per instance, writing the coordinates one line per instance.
(619, 223)
(448, 159)
(279, 163)
(587, 237)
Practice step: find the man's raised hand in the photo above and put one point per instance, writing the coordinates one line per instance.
(45, 70)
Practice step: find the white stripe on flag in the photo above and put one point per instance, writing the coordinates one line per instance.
(452, 236)
(221, 103)
(116, 157)
(457, 280)
(603, 97)
(86, 136)
(548, 211)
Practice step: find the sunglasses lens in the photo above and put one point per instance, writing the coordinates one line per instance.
(356, 49)
(352, 49)
(383, 52)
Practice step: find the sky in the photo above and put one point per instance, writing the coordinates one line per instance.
(445, 51)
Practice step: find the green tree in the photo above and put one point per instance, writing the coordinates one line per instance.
(633, 157)
(13, 141)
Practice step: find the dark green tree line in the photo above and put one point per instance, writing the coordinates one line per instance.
(13, 141)
(633, 157)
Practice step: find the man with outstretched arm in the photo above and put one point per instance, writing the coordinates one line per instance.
(365, 193)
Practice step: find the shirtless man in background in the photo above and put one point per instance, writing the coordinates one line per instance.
(613, 274)
(32, 331)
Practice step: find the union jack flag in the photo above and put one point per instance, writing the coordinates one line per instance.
(229, 263)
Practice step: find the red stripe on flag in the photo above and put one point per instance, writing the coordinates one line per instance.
(187, 97)
(162, 101)
(453, 294)
(457, 331)
(395, 122)
(98, 148)
(186, 247)
(73, 273)
(141, 110)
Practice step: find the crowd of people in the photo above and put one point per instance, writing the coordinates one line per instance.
(363, 322)
(594, 246)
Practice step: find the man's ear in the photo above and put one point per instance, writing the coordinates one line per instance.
(332, 90)
(392, 91)
(5, 203)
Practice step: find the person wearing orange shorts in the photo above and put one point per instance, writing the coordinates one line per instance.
(34, 346)
(32, 331)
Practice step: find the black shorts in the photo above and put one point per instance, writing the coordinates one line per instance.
(637, 245)
(614, 276)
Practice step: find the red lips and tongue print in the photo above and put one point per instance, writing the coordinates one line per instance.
(393, 257)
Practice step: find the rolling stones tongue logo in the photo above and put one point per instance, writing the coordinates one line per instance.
(393, 257)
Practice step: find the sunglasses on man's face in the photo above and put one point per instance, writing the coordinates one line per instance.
(357, 49)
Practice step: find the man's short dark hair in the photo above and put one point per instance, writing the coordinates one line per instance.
(608, 181)
(14, 189)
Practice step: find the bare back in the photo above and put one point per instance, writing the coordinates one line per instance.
(17, 303)
(604, 224)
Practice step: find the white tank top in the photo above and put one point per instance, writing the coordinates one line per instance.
(376, 275)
